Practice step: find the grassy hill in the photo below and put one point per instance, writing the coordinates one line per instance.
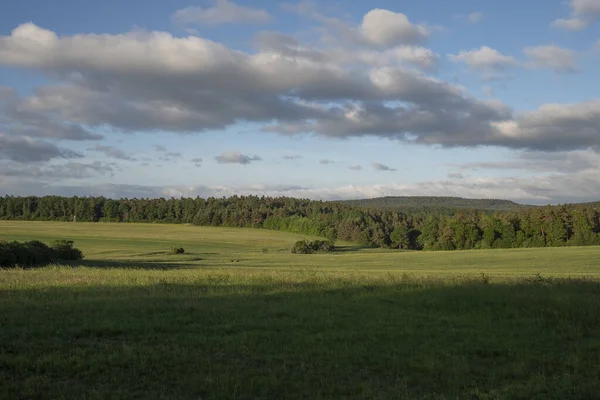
(147, 246)
(436, 202)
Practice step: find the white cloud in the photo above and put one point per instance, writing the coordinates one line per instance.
(485, 60)
(223, 12)
(552, 57)
(17, 120)
(554, 127)
(387, 28)
(236, 158)
(157, 82)
(419, 56)
(491, 63)
(570, 24)
(583, 14)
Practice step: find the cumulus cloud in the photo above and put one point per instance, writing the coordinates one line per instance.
(112, 152)
(583, 14)
(491, 63)
(197, 162)
(485, 60)
(153, 81)
(222, 12)
(387, 28)
(553, 127)
(17, 119)
(407, 56)
(26, 149)
(379, 27)
(236, 158)
(552, 57)
(382, 167)
(570, 24)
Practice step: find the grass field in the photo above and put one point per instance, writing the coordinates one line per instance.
(239, 317)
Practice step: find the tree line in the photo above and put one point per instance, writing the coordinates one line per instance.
(416, 229)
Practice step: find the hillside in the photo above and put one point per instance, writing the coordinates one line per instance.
(431, 201)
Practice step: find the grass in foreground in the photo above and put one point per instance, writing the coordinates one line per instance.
(99, 334)
(138, 323)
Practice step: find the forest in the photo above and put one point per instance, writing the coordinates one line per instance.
(447, 204)
(386, 227)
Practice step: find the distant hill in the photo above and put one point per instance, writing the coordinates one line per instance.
(403, 202)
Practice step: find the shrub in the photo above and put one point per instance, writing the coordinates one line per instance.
(64, 250)
(177, 250)
(8, 258)
(315, 246)
(301, 247)
(33, 253)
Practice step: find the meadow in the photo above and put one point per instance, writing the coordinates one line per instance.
(239, 317)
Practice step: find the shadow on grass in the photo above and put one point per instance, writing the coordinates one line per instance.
(219, 339)
(347, 249)
(136, 264)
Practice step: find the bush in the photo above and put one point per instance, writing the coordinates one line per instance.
(8, 256)
(64, 250)
(177, 250)
(315, 246)
(34, 253)
(301, 247)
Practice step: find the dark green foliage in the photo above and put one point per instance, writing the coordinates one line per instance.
(435, 202)
(314, 246)
(36, 253)
(177, 250)
(431, 226)
(64, 250)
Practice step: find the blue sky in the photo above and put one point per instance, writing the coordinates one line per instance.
(314, 99)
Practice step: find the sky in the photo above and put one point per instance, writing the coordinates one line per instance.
(313, 99)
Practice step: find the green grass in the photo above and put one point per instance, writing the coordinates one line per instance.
(148, 246)
(138, 322)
